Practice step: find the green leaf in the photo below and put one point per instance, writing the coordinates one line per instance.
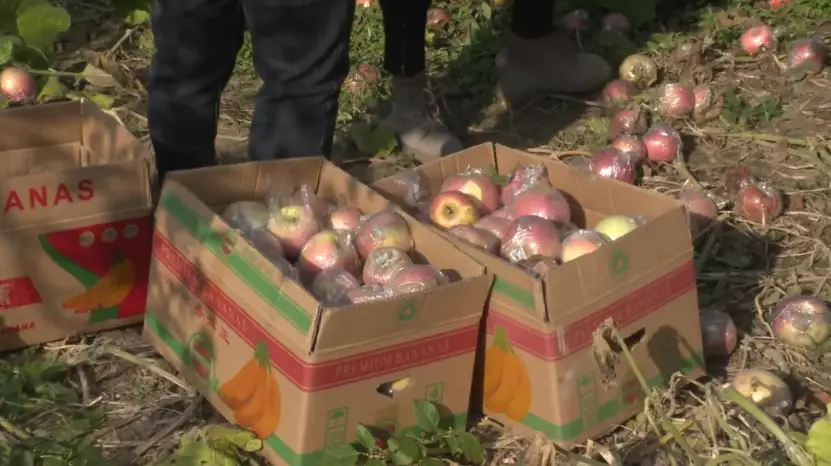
(427, 415)
(98, 77)
(22, 457)
(7, 46)
(40, 25)
(4, 103)
(341, 455)
(405, 450)
(451, 439)
(819, 439)
(102, 100)
(471, 448)
(224, 437)
(52, 89)
(431, 462)
(365, 437)
(137, 17)
(375, 462)
(377, 142)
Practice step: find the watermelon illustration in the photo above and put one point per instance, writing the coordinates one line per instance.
(111, 260)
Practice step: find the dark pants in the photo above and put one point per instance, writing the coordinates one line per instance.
(301, 52)
(405, 22)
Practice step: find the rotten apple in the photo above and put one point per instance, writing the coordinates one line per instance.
(476, 237)
(17, 85)
(293, 226)
(437, 17)
(477, 186)
(626, 122)
(384, 229)
(766, 389)
(581, 242)
(530, 236)
(718, 334)
(415, 278)
(803, 321)
(345, 218)
(758, 202)
(382, 263)
(325, 250)
(495, 225)
(676, 100)
(331, 286)
(639, 70)
(613, 164)
(452, 208)
(544, 202)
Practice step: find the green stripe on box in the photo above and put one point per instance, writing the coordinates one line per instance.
(273, 442)
(522, 297)
(249, 274)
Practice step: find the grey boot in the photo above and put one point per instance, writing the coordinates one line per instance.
(416, 121)
(531, 67)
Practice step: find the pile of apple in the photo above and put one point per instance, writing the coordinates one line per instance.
(341, 255)
(527, 221)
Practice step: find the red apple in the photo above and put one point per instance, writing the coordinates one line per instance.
(305, 196)
(415, 278)
(676, 100)
(326, 250)
(632, 146)
(368, 293)
(331, 286)
(382, 263)
(758, 38)
(530, 236)
(581, 242)
(803, 321)
(544, 202)
(618, 92)
(773, 4)
(452, 208)
(360, 79)
(294, 226)
(505, 212)
(704, 98)
(495, 225)
(384, 229)
(758, 202)
(663, 143)
(522, 178)
(479, 238)
(718, 334)
(437, 17)
(807, 56)
(477, 186)
(17, 85)
(345, 218)
(626, 122)
(613, 164)
(701, 207)
(246, 215)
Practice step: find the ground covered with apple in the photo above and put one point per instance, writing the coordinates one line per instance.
(726, 107)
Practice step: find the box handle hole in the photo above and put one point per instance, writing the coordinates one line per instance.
(392, 388)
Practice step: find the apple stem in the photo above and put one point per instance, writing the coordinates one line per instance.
(57, 74)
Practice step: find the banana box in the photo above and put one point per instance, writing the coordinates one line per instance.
(268, 355)
(76, 223)
(541, 367)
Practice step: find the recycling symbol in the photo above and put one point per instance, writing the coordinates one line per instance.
(407, 312)
(620, 262)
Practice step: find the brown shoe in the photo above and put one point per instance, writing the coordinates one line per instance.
(416, 121)
(531, 67)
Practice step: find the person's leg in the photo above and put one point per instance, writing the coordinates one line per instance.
(301, 52)
(415, 117)
(537, 60)
(196, 47)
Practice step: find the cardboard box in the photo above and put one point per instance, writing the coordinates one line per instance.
(644, 281)
(215, 305)
(76, 224)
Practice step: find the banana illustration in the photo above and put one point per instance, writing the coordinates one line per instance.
(109, 291)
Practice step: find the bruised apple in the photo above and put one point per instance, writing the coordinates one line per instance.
(452, 208)
(415, 278)
(293, 225)
(246, 215)
(384, 229)
(544, 202)
(345, 218)
(531, 236)
(325, 250)
(497, 226)
(368, 293)
(479, 187)
(479, 238)
(766, 389)
(615, 226)
(718, 334)
(803, 321)
(581, 242)
(331, 286)
(382, 263)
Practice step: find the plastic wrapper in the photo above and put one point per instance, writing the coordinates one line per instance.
(382, 264)
(270, 247)
(326, 250)
(293, 226)
(415, 195)
(544, 202)
(523, 178)
(304, 195)
(675, 100)
(803, 321)
(663, 144)
(581, 242)
(614, 164)
(385, 229)
(415, 278)
(539, 266)
(631, 145)
(758, 201)
(369, 293)
(531, 236)
(347, 218)
(718, 334)
(480, 238)
(246, 215)
(331, 286)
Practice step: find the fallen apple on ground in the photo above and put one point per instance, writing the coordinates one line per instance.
(803, 321)
(581, 242)
(530, 236)
(325, 250)
(701, 207)
(415, 278)
(331, 286)
(766, 389)
(476, 237)
(293, 226)
(345, 218)
(626, 122)
(453, 208)
(718, 334)
(385, 229)
(615, 226)
(17, 85)
(544, 202)
(382, 263)
(478, 187)
(758, 202)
